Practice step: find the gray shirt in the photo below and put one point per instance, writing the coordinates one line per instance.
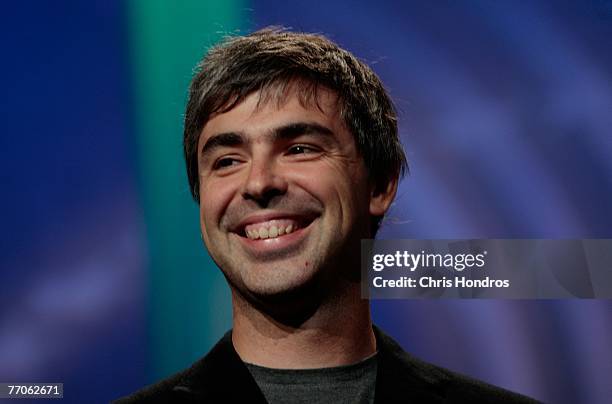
(343, 384)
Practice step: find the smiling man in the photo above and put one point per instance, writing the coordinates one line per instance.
(293, 155)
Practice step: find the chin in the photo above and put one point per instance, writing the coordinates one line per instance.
(290, 306)
(270, 289)
(282, 288)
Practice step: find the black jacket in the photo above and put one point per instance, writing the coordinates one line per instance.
(221, 377)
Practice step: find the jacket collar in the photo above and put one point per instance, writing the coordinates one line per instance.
(402, 378)
(209, 378)
(399, 377)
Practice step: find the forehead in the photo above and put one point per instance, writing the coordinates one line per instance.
(262, 111)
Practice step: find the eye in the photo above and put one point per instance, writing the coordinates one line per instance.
(301, 149)
(225, 162)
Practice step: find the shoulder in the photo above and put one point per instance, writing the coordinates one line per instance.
(401, 376)
(184, 385)
(219, 377)
(160, 392)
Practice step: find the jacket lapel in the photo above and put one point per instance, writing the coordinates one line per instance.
(401, 378)
(220, 377)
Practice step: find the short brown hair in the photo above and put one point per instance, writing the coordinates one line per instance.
(271, 57)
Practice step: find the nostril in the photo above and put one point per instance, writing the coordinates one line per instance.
(263, 199)
(264, 182)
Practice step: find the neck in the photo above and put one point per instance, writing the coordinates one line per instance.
(338, 332)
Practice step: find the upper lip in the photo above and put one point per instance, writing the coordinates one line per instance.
(301, 218)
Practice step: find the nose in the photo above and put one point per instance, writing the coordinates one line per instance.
(264, 182)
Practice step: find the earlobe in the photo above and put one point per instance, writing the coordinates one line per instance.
(382, 195)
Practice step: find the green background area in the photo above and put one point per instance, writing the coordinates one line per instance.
(189, 305)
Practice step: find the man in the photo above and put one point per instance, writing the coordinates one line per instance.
(293, 154)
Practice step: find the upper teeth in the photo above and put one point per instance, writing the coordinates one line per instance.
(270, 229)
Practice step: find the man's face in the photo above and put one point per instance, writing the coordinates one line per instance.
(284, 194)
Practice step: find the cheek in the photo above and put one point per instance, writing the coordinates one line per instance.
(335, 185)
(350, 182)
(215, 197)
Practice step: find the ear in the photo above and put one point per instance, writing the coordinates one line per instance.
(382, 195)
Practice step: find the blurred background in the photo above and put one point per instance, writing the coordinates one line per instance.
(505, 113)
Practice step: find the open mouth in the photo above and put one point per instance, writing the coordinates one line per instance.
(274, 228)
(274, 236)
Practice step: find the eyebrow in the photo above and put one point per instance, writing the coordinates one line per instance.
(285, 132)
(228, 139)
(296, 129)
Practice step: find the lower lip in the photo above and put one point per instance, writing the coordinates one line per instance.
(284, 243)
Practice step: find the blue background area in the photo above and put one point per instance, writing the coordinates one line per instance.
(506, 116)
(72, 252)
